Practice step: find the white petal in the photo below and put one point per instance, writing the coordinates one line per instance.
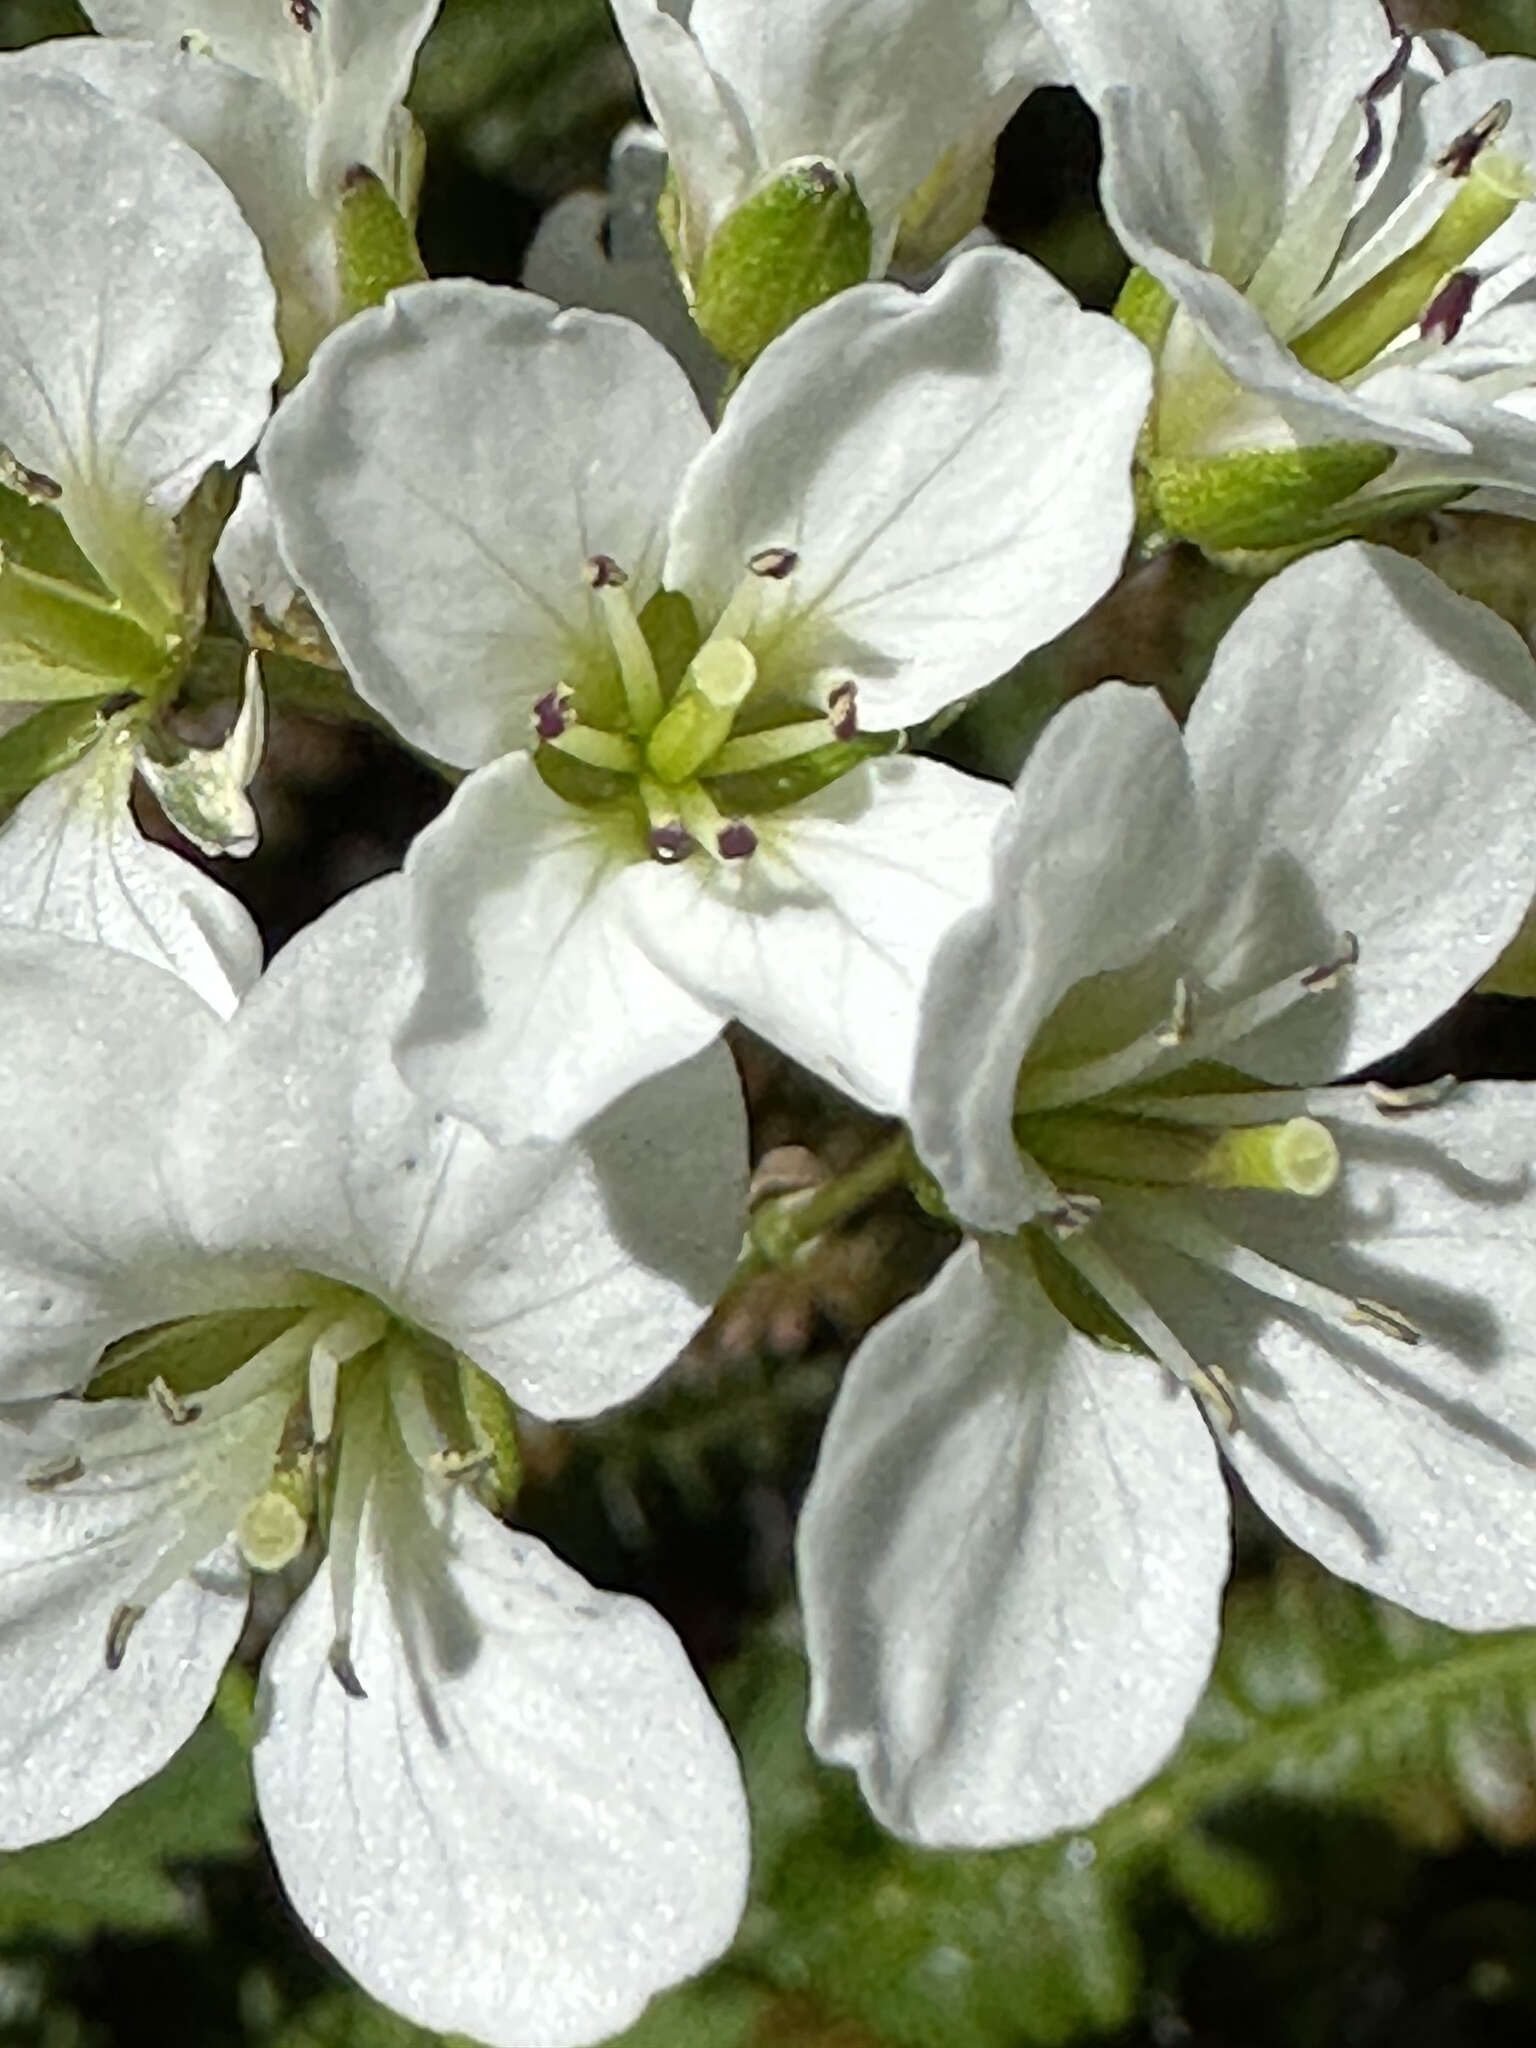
(1410, 1468)
(533, 1820)
(822, 941)
(1011, 1561)
(1238, 106)
(573, 1274)
(1099, 857)
(111, 380)
(953, 469)
(538, 1006)
(93, 1230)
(440, 477)
(258, 582)
(251, 134)
(1365, 759)
(369, 52)
(706, 134)
(72, 861)
(77, 1735)
(820, 79)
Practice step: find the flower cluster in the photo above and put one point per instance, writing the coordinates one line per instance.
(677, 575)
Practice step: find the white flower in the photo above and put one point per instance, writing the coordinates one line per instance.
(907, 97)
(516, 527)
(298, 1301)
(1013, 1549)
(1342, 222)
(285, 99)
(122, 400)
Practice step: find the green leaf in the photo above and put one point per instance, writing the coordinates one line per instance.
(1324, 1702)
(118, 1874)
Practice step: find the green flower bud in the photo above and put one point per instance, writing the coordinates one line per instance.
(1262, 497)
(375, 248)
(800, 239)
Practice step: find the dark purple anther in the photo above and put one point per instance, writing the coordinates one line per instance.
(669, 844)
(774, 563)
(305, 14)
(1446, 311)
(549, 719)
(1459, 157)
(843, 710)
(737, 841)
(603, 573)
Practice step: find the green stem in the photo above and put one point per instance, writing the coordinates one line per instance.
(782, 1228)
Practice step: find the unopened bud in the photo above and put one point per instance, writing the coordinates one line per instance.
(375, 249)
(798, 240)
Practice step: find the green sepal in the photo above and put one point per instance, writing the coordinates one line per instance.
(805, 236)
(578, 782)
(59, 641)
(1353, 520)
(375, 249)
(1145, 308)
(1068, 1292)
(50, 740)
(1262, 497)
(671, 629)
(35, 534)
(191, 1354)
(762, 791)
(493, 1423)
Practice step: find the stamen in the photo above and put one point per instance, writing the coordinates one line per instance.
(1395, 1102)
(1074, 1213)
(1180, 1025)
(614, 751)
(1137, 1313)
(304, 14)
(774, 563)
(339, 1658)
(669, 844)
(843, 710)
(453, 1466)
(31, 484)
(1448, 309)
(1329, 973)
(737, 841)
(1376, 1315)
(552, 714)
(61, 1472)
(177, 1413)
(125, 1620)
(1459, 157)
(754, 751)
(637, 666)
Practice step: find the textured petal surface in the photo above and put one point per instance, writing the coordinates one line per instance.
(538, 1007)
(533, 1819)
(111, 380)
(822, 941)
(1239, 107)
(93, 1229)
(574, 1274)
(1098, 856)
(1408, 1467)
(440, 477)
(1011, 1562)
(76, 1735)
(953, 470)
(248, 131)
(72, 861)
(1365, 758)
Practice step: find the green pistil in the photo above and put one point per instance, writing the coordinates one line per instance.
(1298, 1157)
(1396, 298)
(698, 721)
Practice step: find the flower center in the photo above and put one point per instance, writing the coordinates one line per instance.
(699, 745)
(277, 1417)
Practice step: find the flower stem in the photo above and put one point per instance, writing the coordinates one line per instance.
(781, 1229)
